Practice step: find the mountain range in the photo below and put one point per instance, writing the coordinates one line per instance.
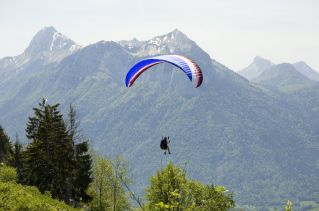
(258, 138)
(261, 65)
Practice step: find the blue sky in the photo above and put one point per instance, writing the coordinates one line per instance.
(232, 31)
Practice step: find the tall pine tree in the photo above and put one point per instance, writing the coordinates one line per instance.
(54, 161)
(48, 157)
(17, 154)
(82, 172)
(82, 161)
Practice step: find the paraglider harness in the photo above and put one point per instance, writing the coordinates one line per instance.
(164, 145)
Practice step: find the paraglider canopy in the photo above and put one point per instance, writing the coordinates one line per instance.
(189, 67)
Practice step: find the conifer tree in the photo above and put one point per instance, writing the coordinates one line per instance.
(6, 154)
(17, 154)
(54, 160)
(82, 161)
(49, 155)
(82, 172)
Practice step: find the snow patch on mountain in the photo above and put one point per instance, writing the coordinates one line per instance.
(170, 43)
(47, 46)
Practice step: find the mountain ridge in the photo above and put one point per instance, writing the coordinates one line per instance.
(306, 70)
(283, 77)
(260, 65)
(223, 130)
(170, 43)
(257, 66)
(46, 47)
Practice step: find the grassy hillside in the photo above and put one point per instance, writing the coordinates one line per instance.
(15, 196)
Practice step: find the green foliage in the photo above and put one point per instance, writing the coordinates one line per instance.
(18, 160)
(166, 187)
(81, 176)
(48, 158)
(81, 168)
(288, 206)
(170, 189)
(6, 154)
(100, 188)
(106, 189)
(7, 174)
(209, 197)
(15, 196)
(19, 197)
(52, 161)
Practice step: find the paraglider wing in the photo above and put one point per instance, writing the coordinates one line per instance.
(189, 67)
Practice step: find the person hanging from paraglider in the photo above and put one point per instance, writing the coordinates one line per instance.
(165, 145)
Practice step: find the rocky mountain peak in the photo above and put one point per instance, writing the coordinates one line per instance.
(283, 77)
(170, 43)
(47, 46)
(306, 70)
(174, 37)
(49, 39)
(253, 70)
(301, 63)
(261, 61)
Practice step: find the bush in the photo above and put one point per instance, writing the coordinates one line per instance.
(7, 174)
(171, 189)
(15, 196)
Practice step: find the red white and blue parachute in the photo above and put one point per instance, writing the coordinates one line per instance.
(189, 67)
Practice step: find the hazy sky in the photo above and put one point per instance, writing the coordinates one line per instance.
(232, 31)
